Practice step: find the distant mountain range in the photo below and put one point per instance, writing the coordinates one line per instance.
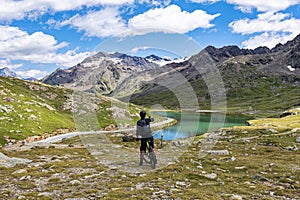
(148, 81)
(101, 72)
(7, 72)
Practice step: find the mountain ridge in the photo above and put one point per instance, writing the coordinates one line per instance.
(7, 72)
(246, 71)
(121, 76)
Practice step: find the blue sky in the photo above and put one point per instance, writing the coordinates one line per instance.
(38, 36)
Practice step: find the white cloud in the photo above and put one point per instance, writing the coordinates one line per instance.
(9, 33)
(38, 47)
(273, 28)
(7, 63)
(52, 23)
(23, 44)
(68, 59)
(11, 9)
(103, 23)
(33, 73)
(266, 22)
(267, 39)
(205, 1)
(155, 2)
(263, 5)
(170, 19)
(137, 49)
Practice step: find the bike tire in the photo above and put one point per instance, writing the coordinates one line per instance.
(147, 159)
(152, 160)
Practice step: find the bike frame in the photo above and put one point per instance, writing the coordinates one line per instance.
(150, 155)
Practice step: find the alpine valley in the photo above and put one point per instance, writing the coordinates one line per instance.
(252, 80)
(71, 134)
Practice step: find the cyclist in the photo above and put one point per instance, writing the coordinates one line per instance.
(143, 130)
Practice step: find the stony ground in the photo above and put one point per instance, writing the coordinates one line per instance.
(244, 163)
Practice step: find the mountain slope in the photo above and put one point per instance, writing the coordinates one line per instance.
(101, 72)
(253, 79)
(247, 78)
(30, 109)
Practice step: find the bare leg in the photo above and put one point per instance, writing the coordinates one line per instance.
(141, 157)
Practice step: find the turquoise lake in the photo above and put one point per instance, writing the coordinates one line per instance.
(192, 123)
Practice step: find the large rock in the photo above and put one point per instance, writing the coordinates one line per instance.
(179, 143)
(128, 138)
(218, 152)
(20, 171)
(258, 177)
(11, 162)
(211, 176)
(75, 182)
(110, 127)
(236, 197)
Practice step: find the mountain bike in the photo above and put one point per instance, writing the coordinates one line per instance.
(150, 156)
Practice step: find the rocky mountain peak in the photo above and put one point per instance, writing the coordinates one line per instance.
(101, 72)
(261, 50)
(221, 54)
(278, 47)
(7, 72)
(292, 44)
(153, 57)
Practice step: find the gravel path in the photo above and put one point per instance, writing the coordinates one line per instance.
(57, 138)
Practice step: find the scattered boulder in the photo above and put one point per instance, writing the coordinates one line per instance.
(8, 99)
(128, 138)
(291, 148)
(117, 135)
(110, 127)
(25, 177)
(211, 176)
(2, 93)
(6, 108)
(272, 130)
(44, 194)
(285, 114)
(218, 152)
(232, 158)
(181, 183)
(248, 123)
(140, 186)
(32, 117)
(178, 143)
(11, 162)
(236, 197)
(298, 140)
(20, 171)
(242, 167)
(258, 177)
(75, 182)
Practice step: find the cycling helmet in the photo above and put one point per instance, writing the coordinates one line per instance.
(142, 114)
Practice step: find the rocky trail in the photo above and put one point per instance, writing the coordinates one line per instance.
(234, 163)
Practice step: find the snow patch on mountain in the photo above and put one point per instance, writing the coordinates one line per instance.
(291, 68)
(164, 61)
(7, 72)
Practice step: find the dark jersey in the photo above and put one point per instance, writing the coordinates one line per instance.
(143, 128)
